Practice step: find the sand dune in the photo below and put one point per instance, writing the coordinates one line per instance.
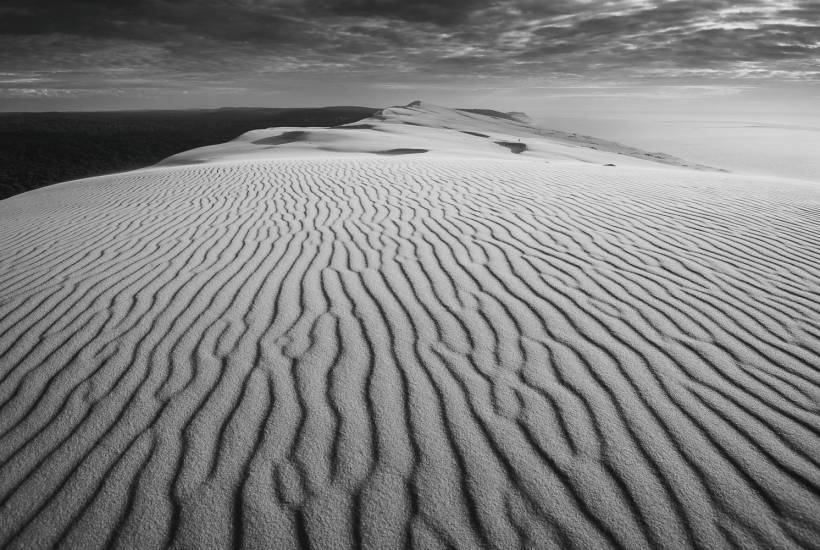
(424, 128)
(415, 350)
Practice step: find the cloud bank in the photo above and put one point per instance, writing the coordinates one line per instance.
(109, 46)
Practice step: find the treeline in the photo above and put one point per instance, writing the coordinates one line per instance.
(38, 149)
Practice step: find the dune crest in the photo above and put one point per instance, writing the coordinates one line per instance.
(439, 130)
(299, 343)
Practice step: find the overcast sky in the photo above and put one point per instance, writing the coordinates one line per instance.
(85, 54)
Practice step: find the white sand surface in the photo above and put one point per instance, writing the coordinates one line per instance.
(421, 128)
(306, 344)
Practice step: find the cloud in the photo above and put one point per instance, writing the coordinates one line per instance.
(154, 20)
(226, 40)
(443, 13)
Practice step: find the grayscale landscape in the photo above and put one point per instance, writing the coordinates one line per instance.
(431, 325)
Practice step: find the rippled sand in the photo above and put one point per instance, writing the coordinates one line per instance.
(410, 351)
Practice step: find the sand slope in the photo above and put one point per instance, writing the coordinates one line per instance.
(410, 351)
(422, 128)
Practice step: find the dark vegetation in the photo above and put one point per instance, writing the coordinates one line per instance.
(491, 113)
(514, 147)
(284, 137)
(38, 149)
(405, 151)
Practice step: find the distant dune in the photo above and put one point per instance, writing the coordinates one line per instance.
(300, 340)
(464, 133)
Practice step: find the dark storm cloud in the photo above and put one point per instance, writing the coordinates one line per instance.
(162, 40)
(151, 20)
(431, 11)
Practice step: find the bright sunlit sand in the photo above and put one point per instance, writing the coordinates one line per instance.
(426, 329)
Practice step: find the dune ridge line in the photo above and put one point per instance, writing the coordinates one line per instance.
(410, 351)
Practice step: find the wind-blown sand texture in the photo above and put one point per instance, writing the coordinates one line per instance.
(419, 350)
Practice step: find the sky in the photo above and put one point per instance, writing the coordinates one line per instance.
(728, 83)
(516, 54)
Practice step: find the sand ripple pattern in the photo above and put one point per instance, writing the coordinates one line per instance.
(418, 353)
